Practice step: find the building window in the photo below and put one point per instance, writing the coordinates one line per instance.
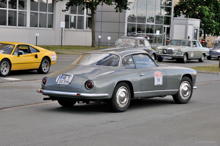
(15, 13)
(41, 13)
(77, 18)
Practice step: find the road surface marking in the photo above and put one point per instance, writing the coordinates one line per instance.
(12, 79)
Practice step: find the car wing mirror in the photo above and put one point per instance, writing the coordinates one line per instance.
(20, 53)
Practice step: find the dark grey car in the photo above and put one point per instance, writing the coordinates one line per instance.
(138, 43)
(116, 77)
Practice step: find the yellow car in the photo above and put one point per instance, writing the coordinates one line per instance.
(22, 56)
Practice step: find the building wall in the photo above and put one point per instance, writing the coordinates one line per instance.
(47, 36)
(109, 23)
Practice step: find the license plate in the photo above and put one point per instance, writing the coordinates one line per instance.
(64, 79)
(167, 57)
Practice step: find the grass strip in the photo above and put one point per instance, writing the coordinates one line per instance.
(71, 50)
(210, 68)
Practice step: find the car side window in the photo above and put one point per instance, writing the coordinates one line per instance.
(143, 61)
(197, 43)
(128, 62)
(24, 49)
(147, 44)
(194, 44)
(141, 43)
(33, 50)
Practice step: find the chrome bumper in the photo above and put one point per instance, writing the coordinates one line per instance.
(74, 94)
(170, 55)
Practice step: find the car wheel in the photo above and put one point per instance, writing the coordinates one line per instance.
(184, 60)
(209, 57)
(185, 91)
(159, 59)
(5, 67)
(153, 56)
(121, 98)
(202, 58)
(44, 66)
(66, 103)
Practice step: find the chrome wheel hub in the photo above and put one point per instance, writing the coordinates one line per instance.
(185, 90)
(122, 96)
(45, 65)
(5, 67)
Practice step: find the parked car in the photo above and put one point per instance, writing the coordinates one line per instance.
(182, 49)
(136, 42)
(116, 77)
(214, 52)
(22, 56)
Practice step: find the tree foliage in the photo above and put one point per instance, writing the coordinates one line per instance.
(120, 5)
(208, 11)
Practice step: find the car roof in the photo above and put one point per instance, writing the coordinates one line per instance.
(119, 51)
(136, 38)
(13, 43)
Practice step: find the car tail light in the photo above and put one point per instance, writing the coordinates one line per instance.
(44, 80)
(89, 84)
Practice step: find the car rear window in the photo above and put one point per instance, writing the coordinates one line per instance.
(99, 59)
(6, 48)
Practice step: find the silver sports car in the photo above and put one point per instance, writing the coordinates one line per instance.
(117, 76)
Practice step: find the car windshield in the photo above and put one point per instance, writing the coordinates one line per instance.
(216, 47)
(6, 48)
(179, 43)
(91, 59)
(125, 41)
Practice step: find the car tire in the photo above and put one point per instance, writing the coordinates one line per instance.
(159, 59)
(202, 58)
(209, 57)
(66, 103)
(44, 66)
(5, 67)
(184, 60)
(185, 91)
(121, 98)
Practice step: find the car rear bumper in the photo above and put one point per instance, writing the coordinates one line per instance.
(74, 95)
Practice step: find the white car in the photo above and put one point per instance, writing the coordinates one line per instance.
(182, 49)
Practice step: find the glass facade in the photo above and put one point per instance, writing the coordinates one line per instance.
(15, 13)
(150, 19)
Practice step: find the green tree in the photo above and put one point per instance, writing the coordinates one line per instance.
(92, 5)
(208, 11)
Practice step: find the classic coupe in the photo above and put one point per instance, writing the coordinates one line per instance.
(214, 52)
(117, 76)
(182, 50)
(139, 43)
(22, 56)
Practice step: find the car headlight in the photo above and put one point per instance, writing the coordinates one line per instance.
(89, 84)
(179, 52)
(44, 80)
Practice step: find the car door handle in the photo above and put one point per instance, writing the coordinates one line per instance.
(142, 74)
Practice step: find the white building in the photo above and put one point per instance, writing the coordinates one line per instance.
(21, 20)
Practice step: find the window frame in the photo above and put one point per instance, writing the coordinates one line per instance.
(76, 16)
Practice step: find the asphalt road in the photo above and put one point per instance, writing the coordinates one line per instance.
(25, 119)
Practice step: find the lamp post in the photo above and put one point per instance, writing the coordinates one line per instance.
(99, 40)
(109, 39)
(37, 35)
